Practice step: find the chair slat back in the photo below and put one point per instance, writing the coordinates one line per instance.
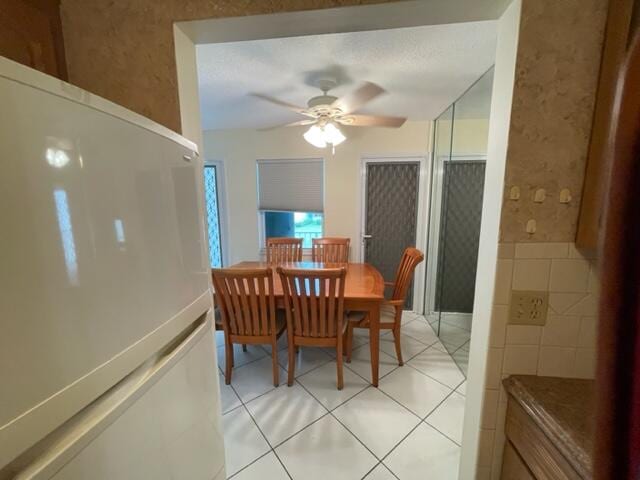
(246, 300)
(284, 249)
(314, 301)
(410, 260)
(330, 250)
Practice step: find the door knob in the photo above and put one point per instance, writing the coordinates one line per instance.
(367, 237)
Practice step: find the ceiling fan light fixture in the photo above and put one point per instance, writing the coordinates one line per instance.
(333, 135)
(321, 136)
(315, 136)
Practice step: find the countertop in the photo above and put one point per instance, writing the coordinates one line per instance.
(563, 408)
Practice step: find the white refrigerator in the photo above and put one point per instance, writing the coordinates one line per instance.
(107, 352)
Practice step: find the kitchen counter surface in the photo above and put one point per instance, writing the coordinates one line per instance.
(563, 409)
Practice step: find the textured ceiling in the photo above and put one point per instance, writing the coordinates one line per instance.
(424, 69)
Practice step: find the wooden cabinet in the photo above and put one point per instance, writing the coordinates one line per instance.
(513, 467)
(31, 34)
(535, 451)
(548, 428)
(622, 20)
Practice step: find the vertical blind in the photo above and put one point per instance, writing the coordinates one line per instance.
(291, 185)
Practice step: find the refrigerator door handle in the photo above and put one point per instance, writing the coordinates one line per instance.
(75, 434)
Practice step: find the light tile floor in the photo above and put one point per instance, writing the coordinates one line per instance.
(410, 427)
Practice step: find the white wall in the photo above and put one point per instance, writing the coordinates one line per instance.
(240, 148)
(473, 457)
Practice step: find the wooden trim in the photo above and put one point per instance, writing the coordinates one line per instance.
(534, 447)
(36, 26)
(597, 171)
(617, 418)
(513, 467)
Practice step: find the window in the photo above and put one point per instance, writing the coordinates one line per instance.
(290, 198)
(303, 225)
(213, 215)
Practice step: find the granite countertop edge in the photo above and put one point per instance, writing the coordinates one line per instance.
(574, 453)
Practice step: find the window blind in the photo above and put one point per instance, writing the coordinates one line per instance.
(291, 185)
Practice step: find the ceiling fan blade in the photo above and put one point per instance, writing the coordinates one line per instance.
(292, 124)
(373, 121)
(354, 100)
(281, 103)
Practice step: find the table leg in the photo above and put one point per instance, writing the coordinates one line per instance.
(374, 341)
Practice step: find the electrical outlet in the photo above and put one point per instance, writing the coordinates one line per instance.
(528, 307)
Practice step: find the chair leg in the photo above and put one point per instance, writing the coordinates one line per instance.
(339, 367)
(396, 339)
(292, 364)
(228, 362)
(244, 347)
(276, 368)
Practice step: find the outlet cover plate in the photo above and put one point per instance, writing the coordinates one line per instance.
(528, 307)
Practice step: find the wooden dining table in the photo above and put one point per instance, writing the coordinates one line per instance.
(363, 292)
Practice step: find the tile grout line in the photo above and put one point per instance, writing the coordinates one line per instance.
(403, 406)
(376, 466)
(441, 433)
(330, 411)
(272, 449)
(259, 457)
(369, 472)
(261, 433)
(346, 365)
(306, 426)
(267, 354)
(433, 378)
(407, 364)
(273, 388)
(422, 421)
(249, 464)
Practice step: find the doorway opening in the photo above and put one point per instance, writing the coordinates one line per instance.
(359, 19)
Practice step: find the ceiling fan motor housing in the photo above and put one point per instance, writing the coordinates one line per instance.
(321, 101)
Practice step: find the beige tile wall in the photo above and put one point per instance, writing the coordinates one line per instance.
(563, 347)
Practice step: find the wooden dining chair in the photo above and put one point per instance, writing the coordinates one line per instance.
(391, 310)
(217, 316)
(330, 250)
(284, 249)
(248, 310)
(314, 306)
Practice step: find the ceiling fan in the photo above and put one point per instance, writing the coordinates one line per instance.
(327, 112)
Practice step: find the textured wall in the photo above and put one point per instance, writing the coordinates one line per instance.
(556, 78)
(123, 50)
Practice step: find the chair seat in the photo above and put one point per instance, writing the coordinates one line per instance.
(387, 314)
